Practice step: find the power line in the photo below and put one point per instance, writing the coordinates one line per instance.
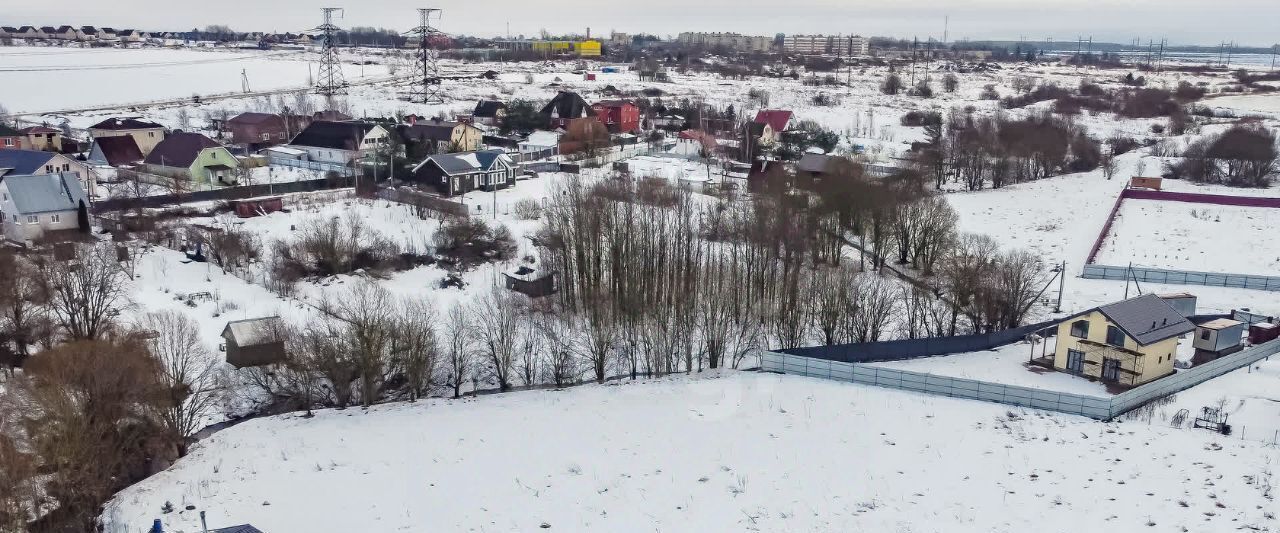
(55, 68)
(330, 81)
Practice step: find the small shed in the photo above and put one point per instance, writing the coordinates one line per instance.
(1221, 336)
(1263, 332)
(1184, 302)
(1138, 182)
(252, 207)
(531, 283)
(254, 342)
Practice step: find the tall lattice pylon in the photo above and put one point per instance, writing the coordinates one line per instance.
(330, 82)
(426, 70)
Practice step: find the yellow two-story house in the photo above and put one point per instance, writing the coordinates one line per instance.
(1127, 343)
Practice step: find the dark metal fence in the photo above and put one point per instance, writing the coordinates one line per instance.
(229, 193)
(913, 348)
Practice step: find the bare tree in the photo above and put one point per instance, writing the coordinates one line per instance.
(557, 333)
(85, 294)
(418, 346)
(185, 370)
(367, 321)
(21, 297)
(459, 359)
(495, 323)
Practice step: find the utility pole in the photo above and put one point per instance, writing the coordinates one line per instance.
(1062, 286)
(330, 82)
(244, 80)
(946, 29)
(426, 72)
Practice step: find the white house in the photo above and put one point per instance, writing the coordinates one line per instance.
(36, 162)
(540, 144)
(337, 143)
(30, 206)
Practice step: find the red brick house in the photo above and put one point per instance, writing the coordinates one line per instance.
(11, 138)
(261, 130)
(619, 116)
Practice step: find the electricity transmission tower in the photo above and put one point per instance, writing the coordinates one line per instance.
(330, 82)
(426, 70)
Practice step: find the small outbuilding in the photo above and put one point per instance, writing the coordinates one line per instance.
(254, 342)
(253, 207)
(531, 283)
(1220, 337)
(1183, 302)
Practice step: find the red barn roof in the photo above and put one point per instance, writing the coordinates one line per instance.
(775, 118)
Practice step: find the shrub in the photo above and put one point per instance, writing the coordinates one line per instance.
(921, 118)
(528, 209)
(468, 241)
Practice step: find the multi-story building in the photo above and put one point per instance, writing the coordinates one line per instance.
(853, 45)
(729, 41)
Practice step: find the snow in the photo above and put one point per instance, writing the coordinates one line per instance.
(1007, 365)
(1249, 396)
(1197, 237)
(98, 76)
(725, 452)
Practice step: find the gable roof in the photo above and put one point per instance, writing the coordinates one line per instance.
(333, 135)
(255, 118)
(127, 123)
(467, 162)
(120, 150)
(6, 131)
(544, 138)
(428, 131)
(488, 108)
(253, 331)
(35, 130)
(567, 104)
(775, 118)
(180, 149)
(1147, 318)
(24, 161)
(45, 193)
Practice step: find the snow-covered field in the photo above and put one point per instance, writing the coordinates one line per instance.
(732, 452)
(1199, 237)
(86, 77)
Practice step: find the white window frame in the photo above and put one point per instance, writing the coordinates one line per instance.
(55, 218)
(33, 219)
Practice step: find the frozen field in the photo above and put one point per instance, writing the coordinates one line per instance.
(1198, 237)
(732, 452)
(85, 77)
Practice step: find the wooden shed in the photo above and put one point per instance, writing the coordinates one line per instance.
(1138, 182)
(1220, 337)
(254, 342)
(252, 207)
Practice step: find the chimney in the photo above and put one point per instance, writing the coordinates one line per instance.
(588, 32)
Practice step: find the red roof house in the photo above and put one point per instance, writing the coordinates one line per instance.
(619, 116)
(777, 119)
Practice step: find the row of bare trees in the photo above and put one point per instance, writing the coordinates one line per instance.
(1244, 155)
(996, 151)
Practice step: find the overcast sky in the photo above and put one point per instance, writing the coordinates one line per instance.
(1248, 22)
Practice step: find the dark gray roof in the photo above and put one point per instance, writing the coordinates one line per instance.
(567, 104)
(1147, 318)
(46, 193)
(243, 528)
(24, 161)
(466, 162)
(180, 149)
(488, 108)
(334, 135)
(125, 124)
(119, 150)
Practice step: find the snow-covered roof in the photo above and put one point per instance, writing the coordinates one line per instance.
(543, 138)
(252, 332)
(286, 150)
